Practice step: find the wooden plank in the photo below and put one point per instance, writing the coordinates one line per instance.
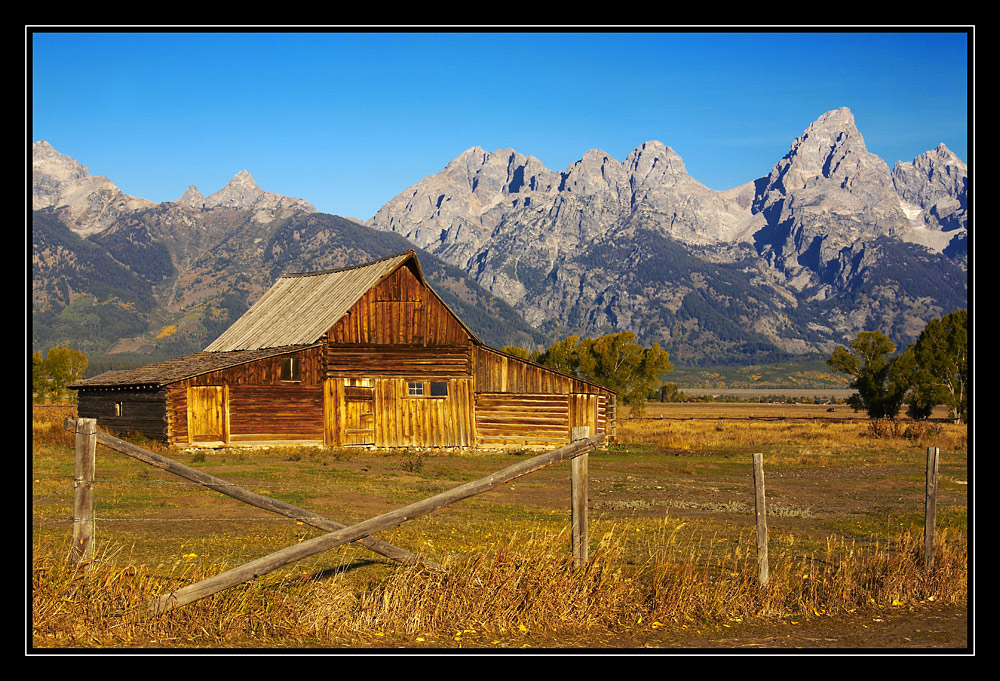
(310, 547)
(206, 413)
(579, 482)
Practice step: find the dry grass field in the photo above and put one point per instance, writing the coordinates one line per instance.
(673, 561)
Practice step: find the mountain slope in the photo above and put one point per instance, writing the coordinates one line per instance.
(165, 279)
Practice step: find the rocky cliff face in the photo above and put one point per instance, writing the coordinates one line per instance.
(87, 203)
(934, 191)
(826, 195)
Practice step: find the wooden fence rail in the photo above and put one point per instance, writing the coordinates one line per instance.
(309, 547)
(229, 489)
(337, 533)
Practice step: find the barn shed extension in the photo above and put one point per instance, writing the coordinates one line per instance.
(359, 356)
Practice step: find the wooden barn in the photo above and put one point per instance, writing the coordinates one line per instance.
(359, 356)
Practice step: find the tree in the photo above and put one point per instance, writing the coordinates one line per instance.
(941, 373)
(61, 366)
(882, 381)
(38, 382)
(618, 362)
(563, 355)
(516, 350)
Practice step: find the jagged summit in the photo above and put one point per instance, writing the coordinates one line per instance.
(89, 204)
(531, 235)
(240, 192)
(192, 197)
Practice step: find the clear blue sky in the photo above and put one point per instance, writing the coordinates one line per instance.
(349, 120)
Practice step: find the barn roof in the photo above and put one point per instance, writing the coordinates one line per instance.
(169, 371)
(299, 308)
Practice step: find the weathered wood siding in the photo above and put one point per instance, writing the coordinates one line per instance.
(536, 419)
(256, 404)
(403, 420)
(383, 413)
(126, 411)
(500, 373)
(399, 310)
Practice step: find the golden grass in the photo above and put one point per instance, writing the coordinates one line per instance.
(527, 587)
(505, 585)
(701, 434)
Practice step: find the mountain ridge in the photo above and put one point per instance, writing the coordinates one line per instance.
(788, 264)
(802, 239)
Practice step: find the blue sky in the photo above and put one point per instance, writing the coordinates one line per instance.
(349, 120)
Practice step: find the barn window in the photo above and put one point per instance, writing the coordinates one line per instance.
(439, 390)
(118, 408)
(415, 388)
(291, 369)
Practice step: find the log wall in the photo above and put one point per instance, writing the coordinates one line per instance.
(438, 362)
(258, 405)
(499, 373)
(126, 411)
(526, 419)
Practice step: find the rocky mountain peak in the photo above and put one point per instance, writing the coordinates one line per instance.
(192, 197)
(243, 193)
(87, 203)
(655, 163)
(933, 175)
(54, 174)
(830, 153)
(934, 190)
(240, 192)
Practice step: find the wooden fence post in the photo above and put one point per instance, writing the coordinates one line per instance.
(578, 492)
(83, 491)
(930, 507)
(761, 513)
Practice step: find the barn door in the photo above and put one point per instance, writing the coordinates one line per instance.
(206, 413)
(359, 415)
